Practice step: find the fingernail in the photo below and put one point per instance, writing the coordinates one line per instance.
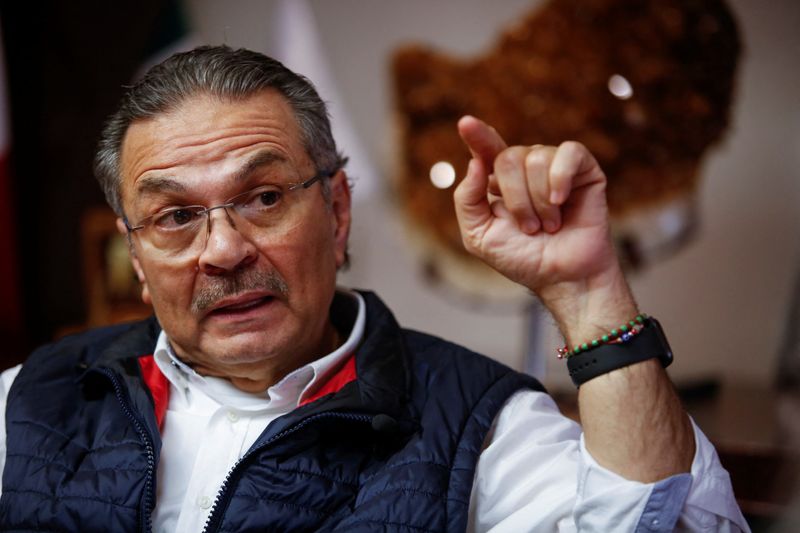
(530, 226)
(556, 198)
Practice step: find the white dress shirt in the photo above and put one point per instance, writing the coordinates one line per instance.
(534, 473)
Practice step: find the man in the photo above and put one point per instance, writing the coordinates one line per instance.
(263, 399)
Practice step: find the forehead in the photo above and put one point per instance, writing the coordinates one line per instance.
(207, 133)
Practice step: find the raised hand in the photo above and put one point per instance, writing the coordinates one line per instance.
(538, 215)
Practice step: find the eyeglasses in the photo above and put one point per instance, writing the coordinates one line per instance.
(175, 231)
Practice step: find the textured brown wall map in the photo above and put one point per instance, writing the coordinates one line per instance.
(547, 80)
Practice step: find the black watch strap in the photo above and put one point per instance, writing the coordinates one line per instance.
(650, 342)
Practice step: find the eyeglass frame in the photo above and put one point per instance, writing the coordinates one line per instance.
(143, 223)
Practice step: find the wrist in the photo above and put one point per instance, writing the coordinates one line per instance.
(591, 307)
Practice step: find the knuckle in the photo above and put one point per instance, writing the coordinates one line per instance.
(573, 146)
(509, 159)
(537, 157)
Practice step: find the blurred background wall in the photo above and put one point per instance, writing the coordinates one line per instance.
(723, 299)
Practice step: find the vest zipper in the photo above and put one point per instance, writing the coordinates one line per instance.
(149, 498)
(221, 501)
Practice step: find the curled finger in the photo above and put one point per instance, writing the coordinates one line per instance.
(537, 168)
(509, 169)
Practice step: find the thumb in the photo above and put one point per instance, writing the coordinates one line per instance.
(482, 140)
(472, 206)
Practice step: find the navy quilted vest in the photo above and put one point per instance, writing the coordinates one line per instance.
(394, 450)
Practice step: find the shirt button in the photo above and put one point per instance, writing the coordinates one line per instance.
(204, 502)
(232, 416)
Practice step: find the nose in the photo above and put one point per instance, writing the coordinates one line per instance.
(226, 249)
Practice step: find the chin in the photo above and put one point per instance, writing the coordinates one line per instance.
(243, 349)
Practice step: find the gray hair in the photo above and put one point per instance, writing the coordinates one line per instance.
(224, 72)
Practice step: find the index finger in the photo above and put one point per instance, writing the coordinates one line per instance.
(482, 140)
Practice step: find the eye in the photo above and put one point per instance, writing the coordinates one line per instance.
(269, 197)
(175, 218)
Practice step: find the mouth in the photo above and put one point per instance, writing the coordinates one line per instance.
(241, 305)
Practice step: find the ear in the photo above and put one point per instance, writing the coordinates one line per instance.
(340, 208)
(137, 267)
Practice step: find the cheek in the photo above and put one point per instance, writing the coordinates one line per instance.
(305, 258)
(170, 286)
(307, 245)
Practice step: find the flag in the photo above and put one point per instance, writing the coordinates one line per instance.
(296, 43)
(10, 310)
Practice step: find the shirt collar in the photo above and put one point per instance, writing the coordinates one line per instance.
(295, 385)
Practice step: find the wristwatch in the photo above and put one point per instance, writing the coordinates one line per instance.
(650, 342)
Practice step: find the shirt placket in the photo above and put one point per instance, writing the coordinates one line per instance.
(220, 449)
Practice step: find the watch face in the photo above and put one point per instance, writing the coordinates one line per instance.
(666, 355)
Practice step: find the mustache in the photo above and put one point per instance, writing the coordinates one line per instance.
(250, 280)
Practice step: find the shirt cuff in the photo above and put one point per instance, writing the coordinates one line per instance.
(698, 501)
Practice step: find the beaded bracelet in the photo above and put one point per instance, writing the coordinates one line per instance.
(623, 333)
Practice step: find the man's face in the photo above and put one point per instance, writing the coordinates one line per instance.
(250, 303)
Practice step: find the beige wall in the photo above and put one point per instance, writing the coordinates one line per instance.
(723, 299)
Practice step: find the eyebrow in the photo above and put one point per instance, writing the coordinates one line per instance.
(160, 184)
(260, 159)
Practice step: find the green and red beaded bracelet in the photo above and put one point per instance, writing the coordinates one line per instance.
(623, 333)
